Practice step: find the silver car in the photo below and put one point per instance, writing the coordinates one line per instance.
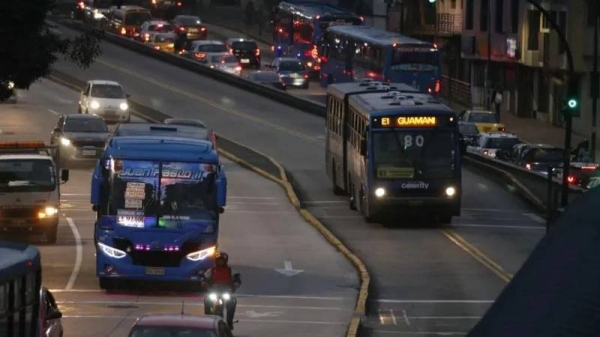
(226, 62)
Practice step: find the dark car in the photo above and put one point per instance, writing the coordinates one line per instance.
(180, 325)
(581, 174)
(292, 71)
(537, 157)
(246, 51)
(192, 25)
(468, 134)
(269, 78)
(152, 129)
(80, 137)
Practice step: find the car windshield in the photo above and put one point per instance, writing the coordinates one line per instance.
(85, 125)
(501, 143)
(107, 91)
(224, 59)
(245, 45)
(468, 129)
(160, 28)
(188, 20)
(162, 331)
(212, 48)
(136, 19)
(409, 154)
(291, 66)
(549, 155)
(27, 175)
(482, 117)
(265, 77)
(187, 192)
(163, 38)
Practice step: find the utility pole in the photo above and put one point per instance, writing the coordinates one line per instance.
(595, 82)
(568, 116)
(487, 83)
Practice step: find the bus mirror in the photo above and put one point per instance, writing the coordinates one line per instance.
(363, 147)
(221, 190)
(54, 314)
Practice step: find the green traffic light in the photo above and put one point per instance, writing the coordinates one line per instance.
(431, 1)
(572, 103)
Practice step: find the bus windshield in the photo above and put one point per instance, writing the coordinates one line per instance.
(27, 175)
(429, 154)
(187, 192)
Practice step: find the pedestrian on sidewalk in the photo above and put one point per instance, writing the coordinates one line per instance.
(249, 14)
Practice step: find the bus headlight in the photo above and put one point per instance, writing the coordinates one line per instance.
(380, 192)
(450, 191)
(201, 254)
(213, 297)
(226, 296)
(112, 252)
(65, 141)
(94, 105)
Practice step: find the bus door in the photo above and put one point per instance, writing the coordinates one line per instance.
(417, 66)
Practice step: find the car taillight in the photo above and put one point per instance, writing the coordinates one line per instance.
(213, 139)
(81, 5)
(230, 50)
(571, 179)
(157, 47)
(528, 166)
(438, 86)
(181, 29)
(485, 152)
(123, 31)
(199, 55)
(305, 76)
(257, 52)
(238, 68)
(501, 129)
(178, 4)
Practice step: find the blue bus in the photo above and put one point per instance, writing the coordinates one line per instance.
(353, 52)
(158, 200)
(299, 25)
(393, 151)
(20, 285)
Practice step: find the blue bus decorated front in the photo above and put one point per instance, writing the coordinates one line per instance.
(349, 53)
(299, 26)
(158, 201)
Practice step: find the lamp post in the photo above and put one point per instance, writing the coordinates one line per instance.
(595, 87)
(488, 62)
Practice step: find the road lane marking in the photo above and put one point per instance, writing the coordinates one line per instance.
(273, 321)
(384, 300)
(535, 217)
(54, 112)
(96, 291)
(420, 333)
(405, 317)
(211, 103)
(78, 256)
(500, 226)
(478, 255)
(187, 304)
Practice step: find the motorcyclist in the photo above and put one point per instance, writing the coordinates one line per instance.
(222, 275)
(582, 151)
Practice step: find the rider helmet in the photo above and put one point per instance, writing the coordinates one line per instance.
(223, 257)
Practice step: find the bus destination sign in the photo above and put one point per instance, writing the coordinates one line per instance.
(406, 122)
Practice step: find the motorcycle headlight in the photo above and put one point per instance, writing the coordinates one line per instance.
(201, 254)
(65, 141)
(123, 106)
(213, 297)
(94, 105)
(226, 296)
(112, 252)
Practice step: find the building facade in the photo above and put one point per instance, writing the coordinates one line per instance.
(525, 57)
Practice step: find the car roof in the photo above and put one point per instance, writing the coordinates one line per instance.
(195, 17)
(480, 111)
(203, 42)
(239, 39)
(158, 22)
(104, 82)
(499, 135)
(187, 321)
(83, 116)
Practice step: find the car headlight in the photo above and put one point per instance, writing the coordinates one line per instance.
(380, 192)
(47, 212)
(94, 105)
(226, 296)
(65, 141)
(450, 191)
(123, 106)
(11, 85)
(202, 254)
(112, 252)
(213, 297)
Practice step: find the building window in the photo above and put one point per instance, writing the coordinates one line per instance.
(483, 15)
(533, 17)
(499, 16)
(470, 14)
(514, 15)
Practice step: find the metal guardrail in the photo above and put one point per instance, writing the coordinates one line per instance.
(455, 91)
(531, 185)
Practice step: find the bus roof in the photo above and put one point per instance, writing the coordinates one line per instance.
(311, 9)
(340, 90)
(375, 104)
(377, 36)
(155, 129)
(162, 148)
(15, 257)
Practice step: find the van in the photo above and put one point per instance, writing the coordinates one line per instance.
(126, 20)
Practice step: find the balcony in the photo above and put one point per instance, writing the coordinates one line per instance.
(447, 25)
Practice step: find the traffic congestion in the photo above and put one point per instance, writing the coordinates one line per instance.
(160, 218)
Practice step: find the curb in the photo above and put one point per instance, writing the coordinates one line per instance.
(365, 279)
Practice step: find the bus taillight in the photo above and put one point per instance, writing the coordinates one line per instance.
(438, 86)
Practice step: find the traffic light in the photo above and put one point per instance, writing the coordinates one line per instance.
(572, 101)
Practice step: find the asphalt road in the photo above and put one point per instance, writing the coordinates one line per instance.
(443, 279)
(261, 231)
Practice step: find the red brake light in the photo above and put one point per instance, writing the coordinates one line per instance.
(528, 166)
(199, 55)
(571, 179)
(160, 25)
(589, 168)
(257, 52)
(213, 139)
(485, 152)
(81, 4)
(123, 31)
(305, 76)
(28, 264)
(231, 50)
(179, 4)
(157, 47)
(203, 29)
(502, 129)
(438, 86)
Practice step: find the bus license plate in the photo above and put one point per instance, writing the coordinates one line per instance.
(89, 152)
(155, 271)
(245, 60)
(415, 202)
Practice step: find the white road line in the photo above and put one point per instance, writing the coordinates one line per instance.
(96, 291)
(435, 301)
(499, 226)
(535, 217)
(420, 333)
(54, 112)
(187, 304)
(393, 317)
(78, 256)
(405, 317)
(241, 320)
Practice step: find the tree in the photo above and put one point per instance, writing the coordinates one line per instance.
(30, 46)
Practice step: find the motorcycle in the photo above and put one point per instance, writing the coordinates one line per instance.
(218, 296)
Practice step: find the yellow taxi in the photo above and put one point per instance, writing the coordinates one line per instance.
(164, 42)
(485, 121)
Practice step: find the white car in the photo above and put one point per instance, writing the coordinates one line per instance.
(489, 144)
(106, 99)
(226, 62)
(149, 28)
(205, 48)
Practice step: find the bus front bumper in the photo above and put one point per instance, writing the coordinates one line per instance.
(432, 205)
